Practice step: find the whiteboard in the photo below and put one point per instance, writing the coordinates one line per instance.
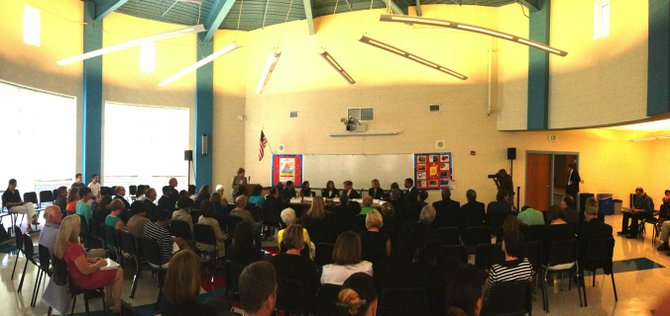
(360, 169)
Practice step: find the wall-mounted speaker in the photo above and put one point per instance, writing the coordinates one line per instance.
(511, 153)
(188, 155)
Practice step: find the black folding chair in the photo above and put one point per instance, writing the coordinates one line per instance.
(291, 297)
(151, 251)
(62, 277)
(18, 239)
(599, 256)
(324, 254)
(449, 235)
(181, 229)
(129, 247)
(232, 273)
(110, 240)
(204, 234)
(457, 251)
(404, 301)
(486, 255)
(326, 297)
(510, 298)
(373, 255)
(562, 258)
(31, 256)
(46, 197)
(231, 223)
(45, 264)
(476, 235)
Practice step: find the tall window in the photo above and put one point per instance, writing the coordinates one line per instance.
(38, 138)
(601, 19)
(148, 57)
(145, 145)
(31, 25)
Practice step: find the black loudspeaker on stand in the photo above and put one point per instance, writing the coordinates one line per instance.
(511, 155)
(188, 156)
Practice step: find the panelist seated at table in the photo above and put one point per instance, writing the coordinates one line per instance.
(348, 190)
(330, 191)
(306, 191)
(375, 191)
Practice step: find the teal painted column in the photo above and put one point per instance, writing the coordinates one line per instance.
(92, 96)
(204, 111)
(658, 72)
(538, 68)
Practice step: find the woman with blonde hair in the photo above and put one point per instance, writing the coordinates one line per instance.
(317, 210)
(358, 296)
(373, 238)
(85, 272)
(182, 286)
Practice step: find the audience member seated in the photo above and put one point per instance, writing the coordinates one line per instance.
(358, 296)
(318, 222)
(463, 291)
(416, 206)
(140, 194)
(292, 265)
(159, 232)
(256, 197)
(373, 238)
(120, 194)
(152, 209)
(72, 199)
(555, 216)
(643, 208)
(258, 289)
(348, 190)
(366, 205)
(174, 193)
(288, 192)
(592, 204)
(220, 207)
(530, 216)
(191, 192)
(568, 207)
(85, 272)
(137, 220)
(113, 220)
(514, 268)
(84, 208)
(203, 195)
(209, 219)
(344, 216)
(497, 211)
(511, 224)
(220, 191)
(182, 287)
(347, 260)
(330, 191)
(289, 218)
(389, 217)
(375, 191)
(447, 210)
(423, 232)
(165, 202)
(184, 205)
(61, 198)
(412, 193)
(397, 270)
(53, 217)
(11, 198)
(396, 199)
(589, 229)
(101, 211)
(243, 250)
(241, 211)
(664, 209)
(78, 181)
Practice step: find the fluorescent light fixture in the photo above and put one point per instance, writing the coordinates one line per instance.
(148, 57)
(31, 25)
(270, 64)
(152, 38)
(200, 63)
(410, 56)
(329, 58)
(471, 28)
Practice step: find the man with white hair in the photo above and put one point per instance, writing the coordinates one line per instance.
(423, 231)
(53, 216)
(241, 211)
(289, 218)
(589, 229)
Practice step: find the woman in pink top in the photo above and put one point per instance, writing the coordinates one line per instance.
(85, 272)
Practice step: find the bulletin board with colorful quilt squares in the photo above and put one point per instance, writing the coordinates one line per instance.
(432, 171)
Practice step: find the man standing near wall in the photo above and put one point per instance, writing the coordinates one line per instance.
(572, 186)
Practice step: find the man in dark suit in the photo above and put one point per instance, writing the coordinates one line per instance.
(472, 213)
(165, 202)
(498, 210)
(174, 193)
(412, 192)
(447, 210)
(568, 207)
(572, 187)
(348, 190)
(589, 229)
(375, 191)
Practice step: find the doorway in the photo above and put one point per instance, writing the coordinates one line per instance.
(546, 177)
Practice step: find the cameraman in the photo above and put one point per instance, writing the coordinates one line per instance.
(504, 182)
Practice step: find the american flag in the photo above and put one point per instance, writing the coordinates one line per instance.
(261, 148)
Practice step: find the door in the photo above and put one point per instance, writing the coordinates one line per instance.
(538, 181)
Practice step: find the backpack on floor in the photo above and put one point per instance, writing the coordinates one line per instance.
(3, 233)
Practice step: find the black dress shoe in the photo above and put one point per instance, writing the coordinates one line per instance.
(664, 246)
(623, 232)
(631, 236)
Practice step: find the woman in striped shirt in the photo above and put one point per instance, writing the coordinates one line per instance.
(514, 268)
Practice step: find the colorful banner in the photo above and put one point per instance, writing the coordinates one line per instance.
(432, 171)
(287, 168)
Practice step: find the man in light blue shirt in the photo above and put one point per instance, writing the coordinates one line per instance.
(53, 216)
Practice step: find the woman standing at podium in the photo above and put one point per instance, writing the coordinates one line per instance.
(239, 181)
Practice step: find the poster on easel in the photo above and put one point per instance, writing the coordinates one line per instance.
(432, 171)
(287, 168)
